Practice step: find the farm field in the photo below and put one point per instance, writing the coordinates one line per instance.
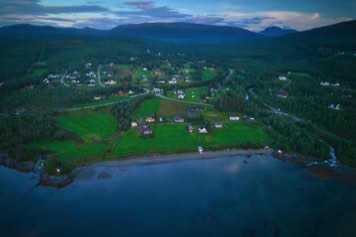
(175, 138)
(90, 127)
(97, 129)
(207, 75)
(148, 107)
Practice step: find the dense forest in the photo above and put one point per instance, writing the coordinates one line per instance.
(17, 131)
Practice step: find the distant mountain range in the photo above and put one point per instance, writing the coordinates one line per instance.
(275, 31)
(181, 32)
(186, 32)
(168, 32)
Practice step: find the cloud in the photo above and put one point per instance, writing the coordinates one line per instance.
(147, 9)
(206, 20)
(100, 23)
(34, 7)
(257, 21)
(141, 4)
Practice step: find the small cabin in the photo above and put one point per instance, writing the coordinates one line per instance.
(150, 119)
(203, 130)
(178, 119)
(234, 118)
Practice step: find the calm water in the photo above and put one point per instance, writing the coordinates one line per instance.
(235, 196)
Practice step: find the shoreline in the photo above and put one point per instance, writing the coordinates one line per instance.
(170, 158)
(59, 181)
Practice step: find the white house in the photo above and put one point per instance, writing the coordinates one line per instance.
(234, 118)
(110, 82)
(90, 74)
(335, 84)
(336, 107)
(46, 81)
(202, 130)
(325, 83)
(97, 97)
(173, 81)
(88, 65)
(75, 81)
(181, 96)
(218, 125)
(157, 89)
(282, 78)
(131, 92)
(150, 119)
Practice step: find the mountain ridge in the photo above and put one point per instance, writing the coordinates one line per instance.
(275, 31)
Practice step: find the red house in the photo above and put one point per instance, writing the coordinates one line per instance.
(283, 95)
(120, 93)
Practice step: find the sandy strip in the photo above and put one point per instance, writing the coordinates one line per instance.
(160, 159)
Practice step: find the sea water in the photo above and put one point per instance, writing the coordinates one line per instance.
(232, 196)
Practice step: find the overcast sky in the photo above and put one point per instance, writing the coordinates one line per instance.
(253, 15)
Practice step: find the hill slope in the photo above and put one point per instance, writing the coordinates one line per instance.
(275, 31)
(26, 30)
(186, 33)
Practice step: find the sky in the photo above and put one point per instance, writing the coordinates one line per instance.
(254, 15)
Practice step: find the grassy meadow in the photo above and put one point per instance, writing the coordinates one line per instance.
(148, 107)
(96, 137)
(90, 127)
(175, 138)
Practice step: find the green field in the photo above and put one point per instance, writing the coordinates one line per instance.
(175, 138)
(141, 72)
(97, 129)
(207, 75)
(111, 99)
(149, 107)
(90, 127)
(192, 95)
(39, 72)
(67, 150)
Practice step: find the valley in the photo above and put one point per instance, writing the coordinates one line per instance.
(103, 97)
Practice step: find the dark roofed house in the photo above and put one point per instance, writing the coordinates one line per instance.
(146, 130)
(178, 119)
(283, 95)
(195, 110)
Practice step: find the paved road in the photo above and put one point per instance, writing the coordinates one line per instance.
(99, 77)
(62, 80)
(228, 78)
(181, 101)
(106, 104)
(274, 110)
